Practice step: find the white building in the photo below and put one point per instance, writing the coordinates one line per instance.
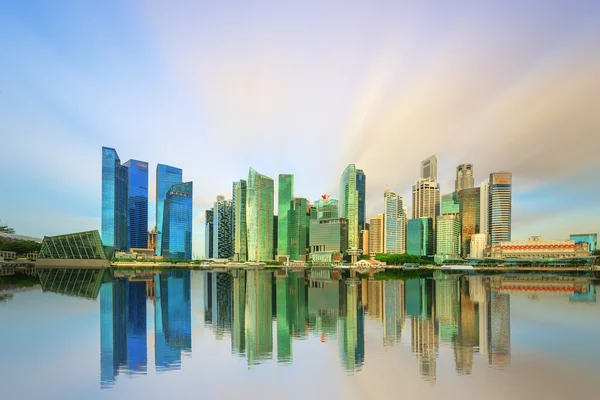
(535, 247)
(478, 245)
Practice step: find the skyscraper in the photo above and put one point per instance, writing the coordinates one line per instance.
(223, 236)
(259, 213)
(448, 237)
(464, 177)
(450, 204)
(468, 200)
(329, 235)
(241, 242)
(177, 235)
(298, 220)
(376, 235)
(361, 186)
(137, 218)
(349, 203)
(115, 194)
(500, 207)
(209, 233)
(286, 194)
(166, 176)
(420, 237)
(478, 245)
(484, 203)
(393, 232)
(327, 207)
(429, 169)
(426, 199)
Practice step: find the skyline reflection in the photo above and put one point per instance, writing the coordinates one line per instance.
(263, 312)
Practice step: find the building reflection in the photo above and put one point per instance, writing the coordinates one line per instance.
(468, 313)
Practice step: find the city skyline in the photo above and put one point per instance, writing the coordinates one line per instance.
(499, 93)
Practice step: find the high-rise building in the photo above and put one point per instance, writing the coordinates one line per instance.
(484, 203)
(298, 225)
(137, 218)
(420, 237)
(448, 237)
(329, 235)
(240, 240)
(209, 229)
(349, 203)
(285, 195)
(223, 235)
(429, 169)
(177, 222)
(478, 245)
(327, 207)
(364, 239)
(590, 238)
(152, 240)
(376, 236)
(450, 204)
(393, 232)
(469, 217)
(426, 199)
(500, 207)
(259, 214)
(464, 177)
(115, 195)
(233, 201)
(361, 186)
(166, 176)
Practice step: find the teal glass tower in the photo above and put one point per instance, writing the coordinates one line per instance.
(259, 214)
(349, 203)
(177, 226)
(298, 220)
(166, 176)
(420, 237)
(361, 187)
(115, 193)
(240, 231)
(286, 194)
(137, 216)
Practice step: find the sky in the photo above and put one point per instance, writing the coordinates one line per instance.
(300, 87)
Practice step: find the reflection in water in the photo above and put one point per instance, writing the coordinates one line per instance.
(469, 313)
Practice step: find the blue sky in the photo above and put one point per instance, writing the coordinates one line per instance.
(303, 88)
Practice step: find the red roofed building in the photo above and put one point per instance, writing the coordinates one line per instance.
(535, 247)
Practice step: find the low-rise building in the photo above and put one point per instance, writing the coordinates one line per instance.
(536, 247)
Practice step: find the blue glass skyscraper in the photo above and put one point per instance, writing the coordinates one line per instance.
(361, 187)
(137, 217)
(177, 226)
(166, 176)
(115, 184)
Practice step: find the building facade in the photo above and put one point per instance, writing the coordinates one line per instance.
(590, 238)
(166, 176)
(464, 177)
(500, 207)
(222, 229)
(137, 216)
(468, 200)
(420, 237)
(329, 235)
(426, 199)
(450, 205)
(484, 203)
(209, 229)
(286, 194)
(178, 216)
(478, 245)
(448, 237)
(349, 203)
(361, 187)
(429, 169)
(376, 228)
(298, 229)
(259, 214)
(393, 220)
(240, 233)
(327, 207)
(115, 196)
(535, 247)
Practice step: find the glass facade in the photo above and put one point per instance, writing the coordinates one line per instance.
(75, 246)
(259, 213)
(500, 207)
(450, 205)
(166, 176)
(137, 217)
(394, 223)
(590, 238)
(241, 241)
(177, 234)
(420, 237)
(115, 183)
(208, 233)
(298, 225)
(223, 236)
(448, 237)
(468, 200)
(349, 203)
(286, 194)
(361, 187)
(329, 235)
(327, 208)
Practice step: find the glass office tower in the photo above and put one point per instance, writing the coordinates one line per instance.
(137, 217)
(222, 235)
(286, 194)
(393, 232)
(500, 207)
(115, 184)
(259, 216)
(298, 220)
(361, 187)
(349, 203)
(327, 208)
(166, 176)
(208, 233)
(177, 226)
(420, 237)
(240, 239)
(468, 200)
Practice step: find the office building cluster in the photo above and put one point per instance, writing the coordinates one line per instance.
(125, 208)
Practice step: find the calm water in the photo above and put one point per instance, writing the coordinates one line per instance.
(323, 334)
